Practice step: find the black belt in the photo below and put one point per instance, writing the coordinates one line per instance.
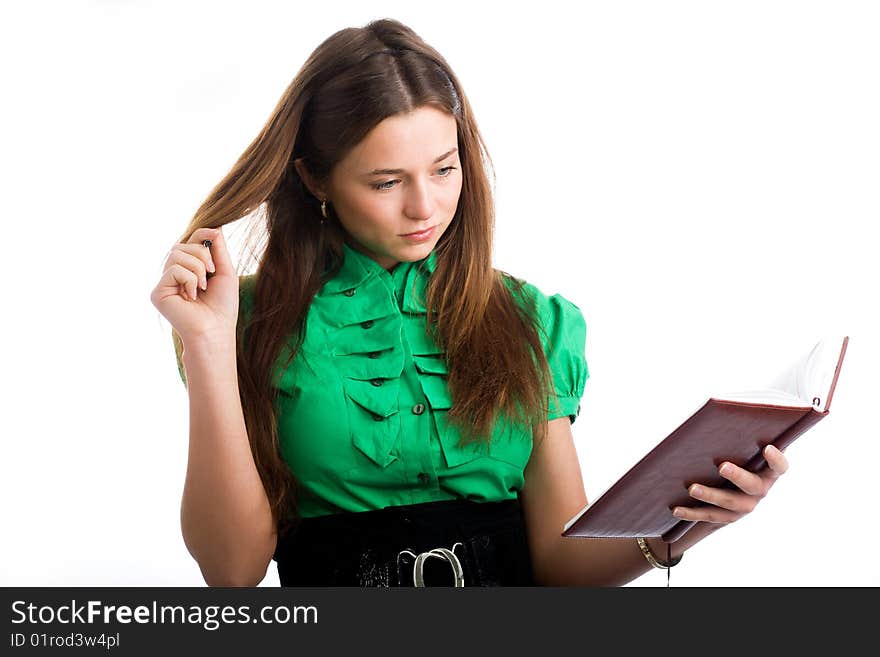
(455, 543)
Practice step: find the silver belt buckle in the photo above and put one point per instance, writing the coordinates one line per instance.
(436, 553)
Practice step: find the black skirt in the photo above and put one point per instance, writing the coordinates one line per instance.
(455, 543)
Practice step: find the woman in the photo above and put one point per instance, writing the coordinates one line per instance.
(323, 432)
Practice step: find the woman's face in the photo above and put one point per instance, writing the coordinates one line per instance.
(418, 189)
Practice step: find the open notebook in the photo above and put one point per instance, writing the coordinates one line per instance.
(808, 382)
(731, 427)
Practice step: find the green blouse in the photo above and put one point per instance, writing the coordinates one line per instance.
(361, 409)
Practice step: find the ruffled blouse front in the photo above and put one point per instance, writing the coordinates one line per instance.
(361, 409)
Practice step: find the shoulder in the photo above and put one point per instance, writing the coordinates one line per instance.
(558, 318)
(563, 334)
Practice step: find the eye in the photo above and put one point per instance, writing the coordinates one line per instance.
(379, 186)
(390, 183)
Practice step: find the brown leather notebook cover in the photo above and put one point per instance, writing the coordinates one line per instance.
(640, 503)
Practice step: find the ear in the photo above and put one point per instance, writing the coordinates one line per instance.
(316, 190)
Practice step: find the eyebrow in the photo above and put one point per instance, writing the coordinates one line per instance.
(379, 172)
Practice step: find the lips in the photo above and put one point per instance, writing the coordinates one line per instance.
(420, 233)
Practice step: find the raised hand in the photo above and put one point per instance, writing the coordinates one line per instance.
(196, 305)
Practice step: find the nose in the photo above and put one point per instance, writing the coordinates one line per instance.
(419, 201)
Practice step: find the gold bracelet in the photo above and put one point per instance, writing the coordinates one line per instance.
(653, 560)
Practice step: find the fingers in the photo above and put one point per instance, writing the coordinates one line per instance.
(194, 258)
(748, 482)
(726, 499)
(200, 252)
(217, 254)
(711, 514)
(724, 505)
(182, 278)
(754, 483)
(775, 459)
(189, 264)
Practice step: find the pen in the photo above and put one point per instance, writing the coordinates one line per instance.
(207, 245)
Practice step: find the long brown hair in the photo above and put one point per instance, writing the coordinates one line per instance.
(352, 81)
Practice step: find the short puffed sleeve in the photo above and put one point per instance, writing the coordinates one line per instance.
(563, 332)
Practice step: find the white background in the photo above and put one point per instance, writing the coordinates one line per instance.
(700, 178)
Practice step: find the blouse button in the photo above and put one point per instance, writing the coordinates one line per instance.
(376, 382)
(424, 478)
(349, 293)
(418, 409)
(375, 354)
(378, 417)
(367, 324)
